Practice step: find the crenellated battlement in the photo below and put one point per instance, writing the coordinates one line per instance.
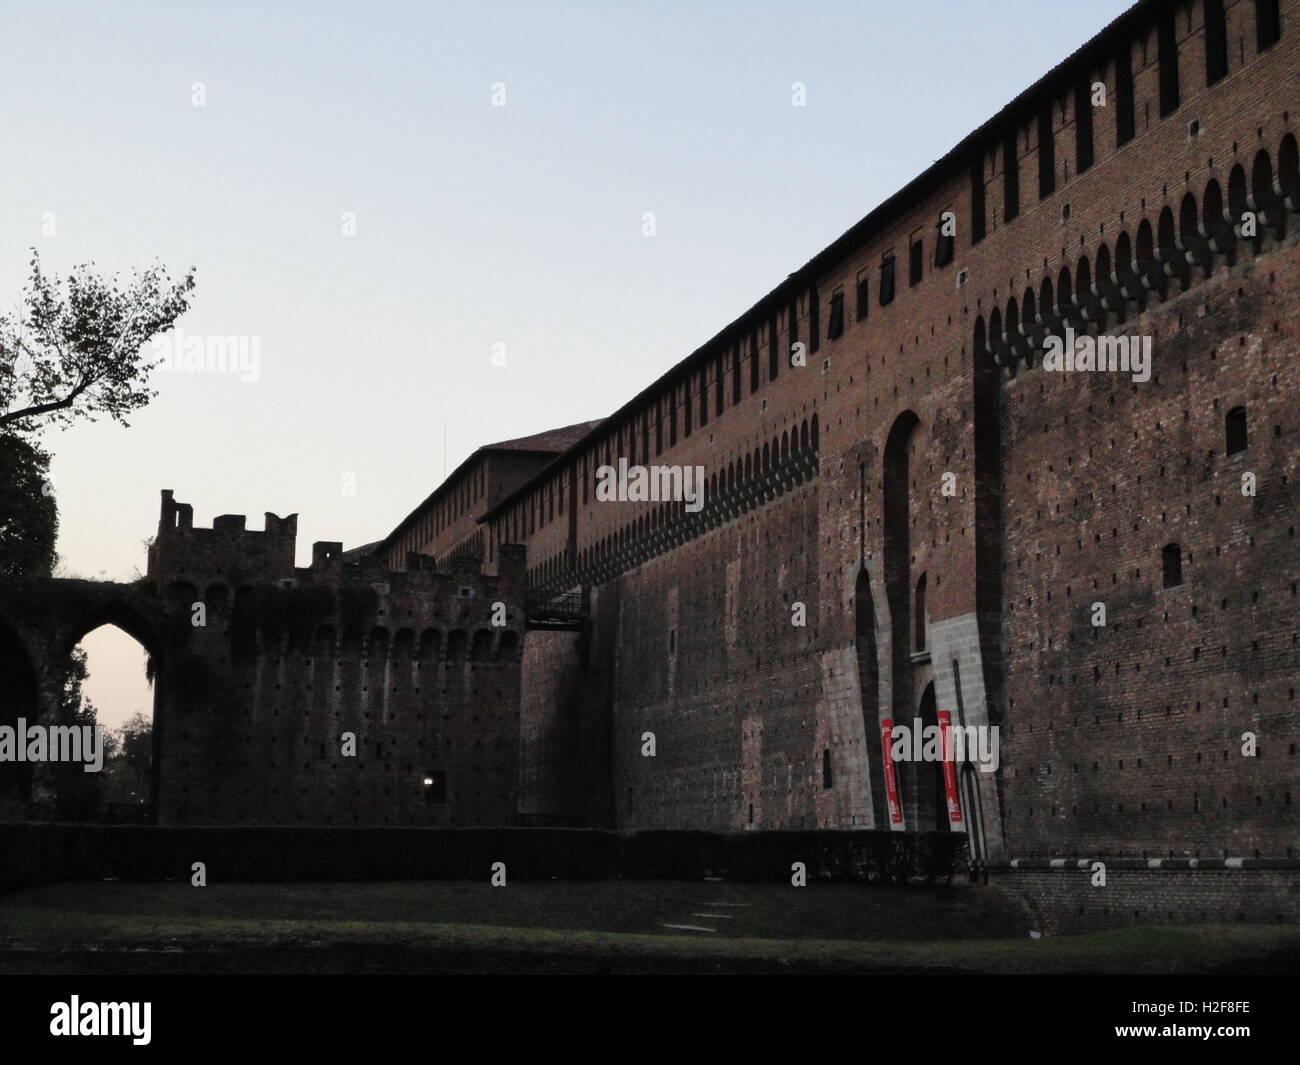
(229, 556)
(227, 550)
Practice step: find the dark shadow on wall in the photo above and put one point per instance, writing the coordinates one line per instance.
(19, 698)
(869, 686)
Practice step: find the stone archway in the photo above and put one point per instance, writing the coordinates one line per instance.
(898, 564)
(41, 622)
(931, 800)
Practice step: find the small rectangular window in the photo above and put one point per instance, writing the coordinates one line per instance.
(887, 279)
(1235, 426)
(1124, 117)
(1268, 24)
(753, 362)
(977, 219)
(826, 768)
(773, 350)
(915, 252)
(835, 327)
(1046, 153)
(1171, 559)
(1216, 42)
(1083, 152)
(1167, 45)
(943, 242)
(864, 295)
(814, 321)
(1010, 176)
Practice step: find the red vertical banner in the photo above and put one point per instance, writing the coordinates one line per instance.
(891, 782)
(949, 767)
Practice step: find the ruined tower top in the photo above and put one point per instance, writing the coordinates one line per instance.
(228, 549)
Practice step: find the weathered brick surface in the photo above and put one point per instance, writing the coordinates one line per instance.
(762, 723)
(1064, 901)
(251, 714)
(921, 445)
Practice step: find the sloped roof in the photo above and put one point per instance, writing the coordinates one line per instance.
(548, 442)
(355, 554)
(556, 440)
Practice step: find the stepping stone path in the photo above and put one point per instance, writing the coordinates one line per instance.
(707, 912)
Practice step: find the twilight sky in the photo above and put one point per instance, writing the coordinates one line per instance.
(475, 224)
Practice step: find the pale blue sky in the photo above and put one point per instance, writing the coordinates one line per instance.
(475, 224)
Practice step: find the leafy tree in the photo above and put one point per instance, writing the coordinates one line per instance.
(29, 518)
(128, 762)
(74, 787)
(81, 353)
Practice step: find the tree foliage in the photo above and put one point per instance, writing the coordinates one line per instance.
(29, 518)
(78, 350)
(128, 762)
(74, 787)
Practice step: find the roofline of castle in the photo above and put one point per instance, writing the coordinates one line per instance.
(479, 452)
(1098, 49)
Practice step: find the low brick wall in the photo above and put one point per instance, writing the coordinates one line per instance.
(36, 852)
(1064, 900)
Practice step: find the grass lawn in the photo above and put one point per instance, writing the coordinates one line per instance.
(575, 926)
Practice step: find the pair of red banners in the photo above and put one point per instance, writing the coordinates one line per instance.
(949, 769)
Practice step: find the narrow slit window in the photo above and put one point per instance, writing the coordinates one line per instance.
(793, 323)
(864, 296)
(1235, 430)
(1124, 118)
(920, 614)
(887, 280)
(978, 222)
(814, 321)
(1171, 560)
(1216, 42)
(1010, 177)
(1167, 45)
(835, 327)
(826, 768)
(1046, 153)
(943, 244)
(1083, 149)
(914, 261)
(1268, 24)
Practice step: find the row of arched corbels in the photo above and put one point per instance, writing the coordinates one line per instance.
(743, 485)
(1176, 252)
